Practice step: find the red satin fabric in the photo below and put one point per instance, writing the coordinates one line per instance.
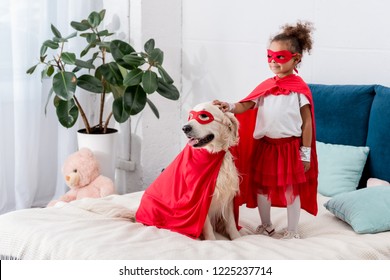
(179, 199)
(244, 151)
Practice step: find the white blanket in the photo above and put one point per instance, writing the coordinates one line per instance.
(70, 231)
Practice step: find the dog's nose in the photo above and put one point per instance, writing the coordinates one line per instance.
(187, 128)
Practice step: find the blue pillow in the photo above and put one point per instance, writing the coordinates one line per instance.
(340, 167)
(365, 210)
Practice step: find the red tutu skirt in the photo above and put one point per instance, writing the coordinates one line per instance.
(278, 170)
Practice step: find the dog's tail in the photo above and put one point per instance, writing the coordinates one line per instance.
(105, 208)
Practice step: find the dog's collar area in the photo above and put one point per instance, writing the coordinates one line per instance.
(204, 117)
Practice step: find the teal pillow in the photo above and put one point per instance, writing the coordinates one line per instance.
(340, 167)
(365, 210)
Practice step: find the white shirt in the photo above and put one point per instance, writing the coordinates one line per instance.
(279, 116)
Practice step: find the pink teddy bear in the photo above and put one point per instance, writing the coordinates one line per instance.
(82, 176)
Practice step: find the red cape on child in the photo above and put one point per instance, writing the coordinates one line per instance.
(244, 150)
(179, 199)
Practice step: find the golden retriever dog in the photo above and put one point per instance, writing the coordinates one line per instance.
(216, 135)
(213, 130)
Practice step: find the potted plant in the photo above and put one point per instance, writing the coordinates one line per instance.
(102, 67)
(113, 66)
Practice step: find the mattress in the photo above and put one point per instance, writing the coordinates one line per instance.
(69, 231)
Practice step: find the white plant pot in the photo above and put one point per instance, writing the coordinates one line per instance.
(103, 147)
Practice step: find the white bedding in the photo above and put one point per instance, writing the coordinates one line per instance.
(69, 232)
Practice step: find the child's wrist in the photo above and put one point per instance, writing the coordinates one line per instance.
(232, 106)
(305, 153)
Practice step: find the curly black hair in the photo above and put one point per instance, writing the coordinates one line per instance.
(297, 36)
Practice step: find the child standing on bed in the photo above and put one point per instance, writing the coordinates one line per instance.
(276, 154)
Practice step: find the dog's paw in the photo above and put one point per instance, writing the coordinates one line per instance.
(209, 236)
(234, 235)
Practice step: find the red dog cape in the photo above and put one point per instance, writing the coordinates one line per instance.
(244, 151)
(179, 199)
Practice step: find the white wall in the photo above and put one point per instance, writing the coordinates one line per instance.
(224, 43)
(155, 142)
(216, 49)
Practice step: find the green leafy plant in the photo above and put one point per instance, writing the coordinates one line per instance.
(111, 67)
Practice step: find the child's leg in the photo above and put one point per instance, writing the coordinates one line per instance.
(264, 207)
(293, 214)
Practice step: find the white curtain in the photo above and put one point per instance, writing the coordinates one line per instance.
(32, 145)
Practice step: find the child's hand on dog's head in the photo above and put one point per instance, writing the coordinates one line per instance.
(223, 106)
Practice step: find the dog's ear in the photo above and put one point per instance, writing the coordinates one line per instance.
(233, 124)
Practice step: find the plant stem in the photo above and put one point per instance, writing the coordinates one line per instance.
(103, 96)
(58, 63)
(60, 59)
(83, 116)
(102, 100)
(106, 123)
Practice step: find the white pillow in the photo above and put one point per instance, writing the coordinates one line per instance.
(373, 182)
(340, 167)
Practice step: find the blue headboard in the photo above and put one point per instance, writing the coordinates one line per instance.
(357, 115)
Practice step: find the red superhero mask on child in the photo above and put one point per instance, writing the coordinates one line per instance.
(280, 56)
(202, 117)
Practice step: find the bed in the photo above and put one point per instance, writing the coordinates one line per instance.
(353, 221)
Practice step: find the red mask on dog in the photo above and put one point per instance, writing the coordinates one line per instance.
(280, 56)
(202, 117)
